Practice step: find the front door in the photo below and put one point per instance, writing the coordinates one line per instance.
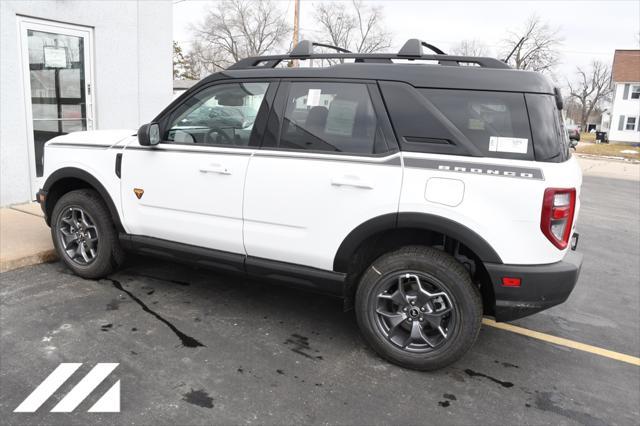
(188, 189)
(56, 63)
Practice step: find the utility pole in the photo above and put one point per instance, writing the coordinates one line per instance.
(296, 26)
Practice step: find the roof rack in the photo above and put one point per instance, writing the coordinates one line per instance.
(305, 48)
(411, 50)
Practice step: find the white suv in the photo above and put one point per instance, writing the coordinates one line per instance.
(426, 195)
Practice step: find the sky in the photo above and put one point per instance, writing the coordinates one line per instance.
(590, 29)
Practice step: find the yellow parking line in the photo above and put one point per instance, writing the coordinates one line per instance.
(563, 342)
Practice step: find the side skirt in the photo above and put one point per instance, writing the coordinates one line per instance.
(317, 280)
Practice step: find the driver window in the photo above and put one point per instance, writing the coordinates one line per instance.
(219, 115)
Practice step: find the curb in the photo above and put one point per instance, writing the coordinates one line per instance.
(45, 256)
(607, 158)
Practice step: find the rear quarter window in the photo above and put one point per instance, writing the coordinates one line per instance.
(496, 123)
(549, 134)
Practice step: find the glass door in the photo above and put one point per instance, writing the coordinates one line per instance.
(57, 77)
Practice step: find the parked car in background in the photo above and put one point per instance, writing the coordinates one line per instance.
(574, 133)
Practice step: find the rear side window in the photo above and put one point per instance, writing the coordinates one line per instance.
(496, 123)
(334, 117)
(549, 135)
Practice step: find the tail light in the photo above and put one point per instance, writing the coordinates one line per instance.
(558, 207)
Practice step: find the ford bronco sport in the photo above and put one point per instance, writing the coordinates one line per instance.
(424, 189)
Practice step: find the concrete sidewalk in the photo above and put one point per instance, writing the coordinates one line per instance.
(25, 239)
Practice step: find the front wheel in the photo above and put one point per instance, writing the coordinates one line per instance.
(417, 307)
(84, 235)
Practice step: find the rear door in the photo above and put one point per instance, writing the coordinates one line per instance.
(329, 162)
(189, 188)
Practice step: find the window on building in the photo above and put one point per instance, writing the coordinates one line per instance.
(219, 115)
(631, 123)
(336, 117)
(635, 92)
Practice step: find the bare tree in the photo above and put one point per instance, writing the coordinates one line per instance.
(590, 88)
(470, 48)
(183, 65)
(536, 46)
(356, 26)
(236, 29)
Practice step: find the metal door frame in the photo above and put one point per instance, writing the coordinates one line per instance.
(28, 23)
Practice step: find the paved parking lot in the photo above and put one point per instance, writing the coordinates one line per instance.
(196, 347)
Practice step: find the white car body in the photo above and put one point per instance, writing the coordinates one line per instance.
(299, 208)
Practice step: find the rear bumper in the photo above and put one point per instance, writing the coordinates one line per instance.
(541, 287)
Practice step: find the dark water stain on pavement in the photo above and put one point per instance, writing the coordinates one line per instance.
(187, 341)
(199, 398)
(300, 345)
(544, 401)
(472, 373)
(113, 305)
(447, 396)
(506, 364)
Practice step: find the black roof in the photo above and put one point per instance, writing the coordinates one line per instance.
(437, 70)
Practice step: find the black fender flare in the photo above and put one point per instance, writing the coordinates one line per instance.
(76, 173)
(410, 220)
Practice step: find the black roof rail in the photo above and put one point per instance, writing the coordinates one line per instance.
(411, 50)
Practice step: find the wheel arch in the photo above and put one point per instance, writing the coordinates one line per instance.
(403, 222)
(392, 231)
(71, 178)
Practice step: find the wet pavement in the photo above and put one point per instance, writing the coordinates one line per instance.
(197, 347)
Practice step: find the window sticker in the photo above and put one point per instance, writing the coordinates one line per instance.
(513, 145)
(341, 117)
(313, 97)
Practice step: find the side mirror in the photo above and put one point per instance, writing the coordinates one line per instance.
(149, 134)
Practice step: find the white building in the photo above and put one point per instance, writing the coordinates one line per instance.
(625, 111)
(69, 65)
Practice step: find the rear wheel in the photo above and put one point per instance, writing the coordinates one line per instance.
(84, 235)
(418, 308)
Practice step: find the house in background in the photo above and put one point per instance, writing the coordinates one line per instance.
(625, 109)
(71, 65)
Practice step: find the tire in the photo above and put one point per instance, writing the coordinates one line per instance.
(81, 217)
(448, 297)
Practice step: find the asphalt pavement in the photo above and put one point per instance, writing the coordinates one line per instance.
(197, 347)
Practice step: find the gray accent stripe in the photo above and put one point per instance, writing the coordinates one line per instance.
(475, 168)
(79, 145)
(391, 160)
(240, 151)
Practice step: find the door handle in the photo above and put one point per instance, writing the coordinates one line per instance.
(215, 168)
(352, 181)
